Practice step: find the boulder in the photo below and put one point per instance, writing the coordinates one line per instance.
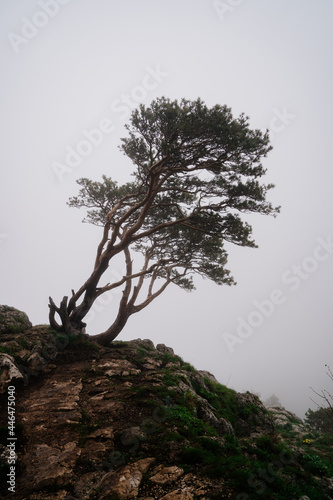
(13, 321)
(118, 367)
(145, 343)
(166, 475)
(124, 484)
(48, 465)
(36, 362)
(9, 372)
(208, 375)
(284, 418)
(152, 364)
(164, 349)
(222, 426)
(255, 418)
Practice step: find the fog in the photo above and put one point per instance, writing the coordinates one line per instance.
(70, 67)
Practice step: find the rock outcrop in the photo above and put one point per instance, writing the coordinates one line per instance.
(13, 321)
(25, 351)
(286, 419)
(134, 421)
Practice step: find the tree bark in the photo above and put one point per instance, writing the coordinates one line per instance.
(111, 333)
(68, 326)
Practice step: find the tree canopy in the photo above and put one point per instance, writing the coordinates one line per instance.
(197, 170)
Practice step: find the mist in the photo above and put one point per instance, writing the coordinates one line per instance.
(73, 71)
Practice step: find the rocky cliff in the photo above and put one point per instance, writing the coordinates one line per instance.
(136, 421)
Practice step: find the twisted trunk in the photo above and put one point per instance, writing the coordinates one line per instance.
(113, 331)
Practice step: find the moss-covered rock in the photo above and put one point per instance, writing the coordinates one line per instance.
(13, 321)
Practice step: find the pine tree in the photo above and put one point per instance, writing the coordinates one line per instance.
(197, 169)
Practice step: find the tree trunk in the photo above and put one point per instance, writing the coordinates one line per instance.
(67, 325)
(111, 333)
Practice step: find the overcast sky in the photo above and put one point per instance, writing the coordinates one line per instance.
(70, 67)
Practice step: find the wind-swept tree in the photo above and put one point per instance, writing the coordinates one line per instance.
(197, 171)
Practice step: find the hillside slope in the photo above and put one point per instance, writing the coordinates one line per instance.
(135, 421)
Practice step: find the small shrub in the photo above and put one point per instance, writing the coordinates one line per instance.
(187, 423)
(14, 329)
(232, 445)
(188, 367)
(239, 470)
(171, 379)
(314, 464)
(266, 443)
(142, 391)
(211, 445)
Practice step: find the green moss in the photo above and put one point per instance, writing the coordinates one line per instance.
(23, 343)
(141, 391)
(170, 379)
(119, 343)
(7, 350)
(14, 328)
(222, 399)
(141, 353)
(50, 330)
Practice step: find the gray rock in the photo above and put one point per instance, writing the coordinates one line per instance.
(284, 414)
(132, 436)
(208, 375)
(256, 417)
(36, 362)
(145, 343)
(220, 424)
(9, 372)
(12, 320)
(198, 379)
(164, 349)
(166, 475)
(55, 464)
(118, 367)
(49, 351)
(126, 482)
(284, 418)
(152, 364)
